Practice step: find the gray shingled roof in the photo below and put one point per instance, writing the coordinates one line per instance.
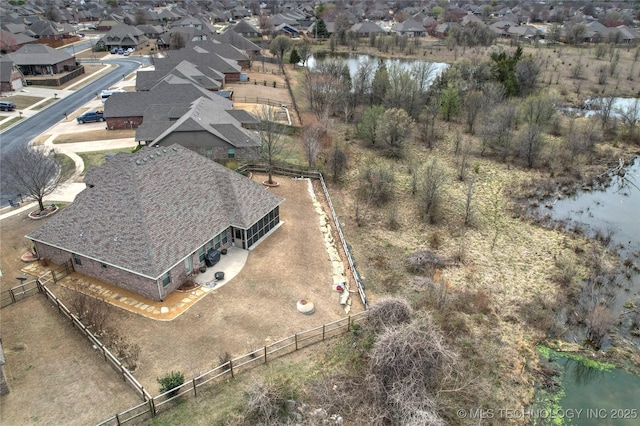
(147, 211)
(211, 116)
(38, 54)
(195, 56)
(236, 40)
(170, 91)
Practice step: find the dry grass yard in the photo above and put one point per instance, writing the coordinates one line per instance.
(494, 294)
(255, 308)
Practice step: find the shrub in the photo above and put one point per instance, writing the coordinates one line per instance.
(267, 399)
(390, 312)
(171, 381)
(424, 262)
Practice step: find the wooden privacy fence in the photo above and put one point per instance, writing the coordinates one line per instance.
(158, 404)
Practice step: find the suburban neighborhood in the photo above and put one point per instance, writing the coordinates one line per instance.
(248, 212)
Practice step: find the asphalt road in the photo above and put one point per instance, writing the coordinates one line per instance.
(27, 129)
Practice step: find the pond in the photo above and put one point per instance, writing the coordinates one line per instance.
(353, 61)
(619, 108)
(585, 392)
(613, 212)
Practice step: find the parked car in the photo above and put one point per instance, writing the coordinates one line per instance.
(7, 106)
(127, 53)
(120, 51)
(90, 117)
(114, 50)
(92, 27)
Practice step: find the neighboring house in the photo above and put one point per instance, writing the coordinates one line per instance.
(366, 28)
(40, 59)
(123, 36)
(210, 127)
(202, 58)
(239, 42)
(125, 110)
(146, 220)
(410, 27)
(443, 30)
(526, 32)
(10, 42)
(206, 77)
(151, 31)
(48, 31)
(286, 29)
(10, 76)
(628, 35)
(108, 24)
(197, 23)
(245, 29)
(224, 50)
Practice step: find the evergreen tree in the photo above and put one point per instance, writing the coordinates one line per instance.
(320, 29)
(294, 57)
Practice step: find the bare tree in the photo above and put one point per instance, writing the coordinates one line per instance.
(409, 364)
(527, 72)
(630, 115)
(304, 51)
(531, 142)
(311, 136)
(326, 87)
(33, 171)
(362, 81)
(141, 16)
(604, 107)
(427, 121)
(499, 128)
(271, 140)
(337, 162)
(176, 40)
(394, 130)
(468, 206)
(473, 104)
(432, 189)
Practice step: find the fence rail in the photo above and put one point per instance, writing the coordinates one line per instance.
(162, 402)
(17, 293)
(29, 288)
(256, 100)
(263, 82)
(299, 171)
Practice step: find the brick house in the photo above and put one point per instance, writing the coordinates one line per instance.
(123, 36)
(210, 128)
(146, 220)
(204, 57)
(10, 76)
(125, 110)
(40, 59)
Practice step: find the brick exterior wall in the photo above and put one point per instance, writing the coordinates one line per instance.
(110, 275)
(123, 123)
(120, 278)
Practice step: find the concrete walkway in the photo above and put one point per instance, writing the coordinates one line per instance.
(174, 305)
